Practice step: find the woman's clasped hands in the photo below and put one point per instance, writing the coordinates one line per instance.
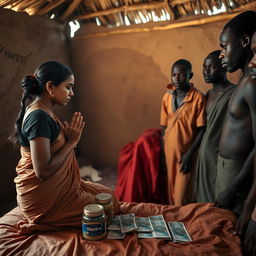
(74, 129)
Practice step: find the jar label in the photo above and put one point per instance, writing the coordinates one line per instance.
(93, 229)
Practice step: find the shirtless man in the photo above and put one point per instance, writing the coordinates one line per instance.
(237, 158)
(250, 236)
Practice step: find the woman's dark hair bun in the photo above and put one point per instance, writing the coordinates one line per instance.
(30, 85)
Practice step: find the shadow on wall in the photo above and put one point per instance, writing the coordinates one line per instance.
(9, 158)
(119, 93)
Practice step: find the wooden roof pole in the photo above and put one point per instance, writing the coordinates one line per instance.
(133, 7)
(35, 6)
(26, 4)
(175, 25)
(7, 2)
(70, 9)
(50, 7)
(16, 3)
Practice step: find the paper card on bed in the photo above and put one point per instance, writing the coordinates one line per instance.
(143, 224)
(179, 232)
(115, 234)
(145, 235)
(156, 217)
(128, 222)
(160, 229)
(115, 225)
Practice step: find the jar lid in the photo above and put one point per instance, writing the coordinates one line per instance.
(103, 198)
(93, 210)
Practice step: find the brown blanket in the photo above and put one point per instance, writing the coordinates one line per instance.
(208, 226)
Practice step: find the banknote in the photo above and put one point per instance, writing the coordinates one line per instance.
(143, 224)
(160, 229)
(179, 232)
(127, 222)
(145, 235)
(115, 234)
(115, 225)
(157, 217)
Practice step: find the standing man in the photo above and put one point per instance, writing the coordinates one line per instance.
(217, 100)
(183, 122)
(250, 235)
(237, 159)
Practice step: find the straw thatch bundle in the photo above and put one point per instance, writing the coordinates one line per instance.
(125, 12)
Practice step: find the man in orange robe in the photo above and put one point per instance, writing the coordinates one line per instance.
(183, 121)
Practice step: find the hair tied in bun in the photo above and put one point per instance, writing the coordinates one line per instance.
(33, 76)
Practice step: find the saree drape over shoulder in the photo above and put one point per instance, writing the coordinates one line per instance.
(206, 168)
(179, 135)
(57, 201)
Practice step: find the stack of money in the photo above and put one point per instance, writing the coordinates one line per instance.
(144, 227)
(147, 227)
(121, 225)
(115, 229)
(179, 232)
(159, 227)
(143, 224)
(127, 222)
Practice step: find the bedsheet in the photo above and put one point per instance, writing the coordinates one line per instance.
(210, 228)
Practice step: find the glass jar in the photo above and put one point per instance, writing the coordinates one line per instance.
(94, 222)
(105, 200)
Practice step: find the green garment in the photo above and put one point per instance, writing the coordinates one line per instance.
(206, 167)
(227, 171)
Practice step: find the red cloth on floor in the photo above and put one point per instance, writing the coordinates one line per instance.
(139, 176)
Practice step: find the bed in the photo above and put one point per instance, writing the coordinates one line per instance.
(209, 227)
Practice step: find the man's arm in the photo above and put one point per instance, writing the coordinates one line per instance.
(187, 157)
(250, 98)
(245, 218)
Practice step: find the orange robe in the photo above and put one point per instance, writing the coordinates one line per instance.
(179, 135)
(57, 201)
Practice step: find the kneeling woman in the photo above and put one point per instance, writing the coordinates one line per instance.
(49, 189)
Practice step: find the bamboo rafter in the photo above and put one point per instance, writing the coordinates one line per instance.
(124, 8)
(24, 5)
(50, 7)
(200, 21)
(70, 9)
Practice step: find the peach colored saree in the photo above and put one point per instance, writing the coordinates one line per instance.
(57, 201)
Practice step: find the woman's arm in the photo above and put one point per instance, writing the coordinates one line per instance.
(45, 164)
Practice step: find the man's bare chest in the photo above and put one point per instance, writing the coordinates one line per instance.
(238, 107)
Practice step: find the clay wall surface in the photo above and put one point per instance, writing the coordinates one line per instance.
(25, 42)
(121, 78)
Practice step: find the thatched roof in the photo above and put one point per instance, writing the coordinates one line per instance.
(125, 12)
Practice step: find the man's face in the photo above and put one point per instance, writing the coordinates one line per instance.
(180, 76)
(232, 50)
(252, 63)
(212, 69)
